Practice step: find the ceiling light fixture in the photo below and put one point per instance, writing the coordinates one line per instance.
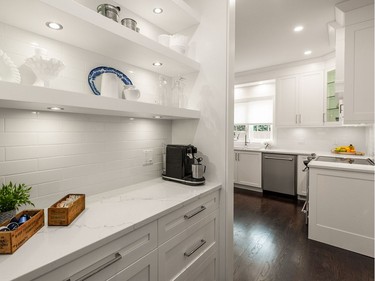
(157, 63)
(298, 28)
(157, 11)
(131, 118)
(308, 52)
(55, 108)
(54, 25)
(157, 117)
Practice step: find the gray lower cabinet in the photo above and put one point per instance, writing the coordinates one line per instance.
(279, 173)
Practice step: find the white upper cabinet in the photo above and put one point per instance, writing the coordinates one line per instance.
(355, 59)
(300, 99)
(359, 73)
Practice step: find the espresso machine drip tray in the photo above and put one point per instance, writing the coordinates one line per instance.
(187, 180)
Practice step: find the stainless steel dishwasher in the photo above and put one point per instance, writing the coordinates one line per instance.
(279, 173)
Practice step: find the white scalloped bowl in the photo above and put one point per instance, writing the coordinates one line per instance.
(44, 69)
(8, 70)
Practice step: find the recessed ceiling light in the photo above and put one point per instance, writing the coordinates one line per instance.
(157, 63)
(54, 25)
(298, 28)
(131, 118)
(308, 52)
(55, 108)
(157, 117)
(158, 10)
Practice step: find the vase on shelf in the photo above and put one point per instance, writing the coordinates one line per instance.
(179, 98)
(44, 69)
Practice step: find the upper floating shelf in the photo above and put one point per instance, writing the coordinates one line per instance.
(91, 31)
(39, 99)
(176, 16)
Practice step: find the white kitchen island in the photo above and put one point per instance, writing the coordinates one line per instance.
(341, 205)
(124, 233)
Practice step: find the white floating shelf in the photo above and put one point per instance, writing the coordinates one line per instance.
(177, 14)
(17, 96)
(91, 31)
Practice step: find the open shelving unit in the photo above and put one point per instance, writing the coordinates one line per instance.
(40, 99)
(86, 29)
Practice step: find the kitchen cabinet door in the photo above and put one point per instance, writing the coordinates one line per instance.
(249, 168)
(286, 101)
(359, 73)
(311, 99)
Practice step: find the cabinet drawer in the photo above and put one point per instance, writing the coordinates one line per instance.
(106, 261)
(203, 269)
(144, 269)
(186, 248)
(181, 219)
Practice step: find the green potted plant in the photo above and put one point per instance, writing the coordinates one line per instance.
(12, 196)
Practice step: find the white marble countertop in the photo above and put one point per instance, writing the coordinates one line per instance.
(342, 166)
(53, 246)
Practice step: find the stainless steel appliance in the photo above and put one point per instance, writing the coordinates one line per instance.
(179, 163)
(305, 208)
(279, 173)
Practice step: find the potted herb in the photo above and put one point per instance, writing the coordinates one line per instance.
(12, 196)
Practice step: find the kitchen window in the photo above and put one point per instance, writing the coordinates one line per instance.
(253, 112)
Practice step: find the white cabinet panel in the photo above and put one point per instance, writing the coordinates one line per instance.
(300, 100)
(109, 259)
(143, 270)
(341, 209)
(359, 73)
(185, 249)
(181, 219)
(310, 99)
(286, 101)
(248, 168)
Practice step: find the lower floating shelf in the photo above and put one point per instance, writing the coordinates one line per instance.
(40, 99)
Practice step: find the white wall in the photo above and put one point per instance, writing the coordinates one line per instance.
(58, 153)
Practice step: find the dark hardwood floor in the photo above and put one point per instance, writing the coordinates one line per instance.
(271, 244)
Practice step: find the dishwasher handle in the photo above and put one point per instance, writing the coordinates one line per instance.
(279, 158)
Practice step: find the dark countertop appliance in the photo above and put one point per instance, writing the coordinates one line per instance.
(179, 160)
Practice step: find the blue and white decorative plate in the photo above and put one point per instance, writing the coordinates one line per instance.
(97, 71)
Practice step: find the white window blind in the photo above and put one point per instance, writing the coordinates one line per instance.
(254, 112)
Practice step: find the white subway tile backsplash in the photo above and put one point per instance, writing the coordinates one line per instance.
(31, 125)
(30, 152)
(2, 154)
(18, 167)
(18, 139)
(36, 178)
(61, 138)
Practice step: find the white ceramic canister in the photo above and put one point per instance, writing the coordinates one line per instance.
(164, 39)
(178, 42)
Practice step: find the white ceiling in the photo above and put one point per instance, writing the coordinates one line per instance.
(265, 36)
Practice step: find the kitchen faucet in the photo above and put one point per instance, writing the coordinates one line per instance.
(266, 145)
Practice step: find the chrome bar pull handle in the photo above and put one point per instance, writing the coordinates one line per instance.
(196, 248)
(278, 158)
(116, 258)
(194, 212)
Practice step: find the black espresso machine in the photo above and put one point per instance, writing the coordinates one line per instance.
(179, 162)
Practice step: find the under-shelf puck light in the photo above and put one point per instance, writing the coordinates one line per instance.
(55, 108)
(157, 11)
(54, 25)
(157, 63)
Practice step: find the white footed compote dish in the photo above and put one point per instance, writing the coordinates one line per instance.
(44, 69)
(8, 70)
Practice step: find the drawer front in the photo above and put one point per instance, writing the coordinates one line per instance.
(203, 269)
(186, 248)
(109, 259)
(179, 220)
(144, 269)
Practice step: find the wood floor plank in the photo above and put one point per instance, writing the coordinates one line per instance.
(271, 244)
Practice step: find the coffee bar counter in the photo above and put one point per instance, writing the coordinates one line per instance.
(107, 216)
